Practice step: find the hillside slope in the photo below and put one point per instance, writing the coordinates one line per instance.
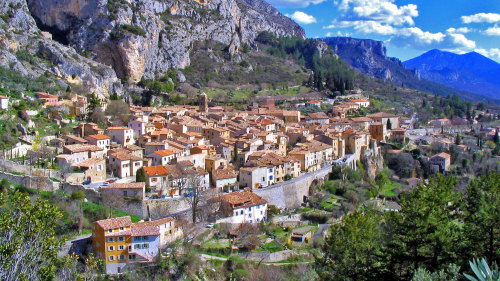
(470, 72)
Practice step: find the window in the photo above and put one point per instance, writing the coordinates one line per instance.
(241, 213)
(121, 257)
(121, 228)
(131, 257)
(111, 239)
(121, 247)
(111, 258)
(111, 248)
(261, 212)
(121, 239)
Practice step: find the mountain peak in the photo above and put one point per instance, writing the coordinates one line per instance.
(471, 72)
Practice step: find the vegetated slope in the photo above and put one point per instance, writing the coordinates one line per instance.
(469, 72)
(369, 57)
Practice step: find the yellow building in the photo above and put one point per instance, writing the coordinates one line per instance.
(111, 239)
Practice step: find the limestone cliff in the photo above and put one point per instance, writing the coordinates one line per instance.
(145, 38)
(21, 38)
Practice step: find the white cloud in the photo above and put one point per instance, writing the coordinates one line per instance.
(417, 38)
(293, 3)
(493, 53)
(302, 18)
(481, 17)
(367, 27)
(493, 31)
(384, 11)
(462, 30)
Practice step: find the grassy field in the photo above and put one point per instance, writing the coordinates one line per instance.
(96, 208)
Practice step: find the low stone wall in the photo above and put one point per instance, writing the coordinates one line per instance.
(268, 257)
(290, 194)
(90, 194)
(41, 183)
(10, 166)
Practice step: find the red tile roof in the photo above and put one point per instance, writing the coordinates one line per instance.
(155, 171)
(242, 199)
(114, 222)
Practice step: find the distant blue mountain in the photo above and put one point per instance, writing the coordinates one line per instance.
(470, 72)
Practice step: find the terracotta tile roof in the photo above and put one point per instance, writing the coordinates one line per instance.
(125, 155)
(73, 137)
(361, 119)
(242, 199)
(165, 152)
(99, 137)
(128, 185)
(90, 162)
(155, 171)
(115, 222)
(75, 148)
(220, 174)
(141, 229)
(156, 222)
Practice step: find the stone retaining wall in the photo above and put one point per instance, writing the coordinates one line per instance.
(34, 182)
(290, 194)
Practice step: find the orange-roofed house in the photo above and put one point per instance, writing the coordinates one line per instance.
(313, 103)
(121, 135)
(111, 239)
(101, 141)
(47, 98)
(156, 177)
(242, 207)
(121, 243)
(163, 157)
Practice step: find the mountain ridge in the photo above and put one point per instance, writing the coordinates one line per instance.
(370, 57)
(469, 72)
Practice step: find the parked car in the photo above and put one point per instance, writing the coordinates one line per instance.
(105, 183)
(210, 225)
(86, 182)
(111, 180)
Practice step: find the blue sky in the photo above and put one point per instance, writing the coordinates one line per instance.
(408, 27)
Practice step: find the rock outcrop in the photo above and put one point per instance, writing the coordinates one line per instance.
(20, 38)
(145, 38)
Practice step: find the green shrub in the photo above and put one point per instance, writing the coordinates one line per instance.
(134, 29)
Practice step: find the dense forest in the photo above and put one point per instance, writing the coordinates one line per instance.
(437, 232)
(329, 71)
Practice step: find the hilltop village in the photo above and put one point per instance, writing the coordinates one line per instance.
(182, 171)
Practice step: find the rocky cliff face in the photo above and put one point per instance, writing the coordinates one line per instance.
(21, 38)
(145, 38)
(369, 57)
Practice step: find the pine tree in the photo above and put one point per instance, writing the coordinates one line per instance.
(140, 176)
(235, 154)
